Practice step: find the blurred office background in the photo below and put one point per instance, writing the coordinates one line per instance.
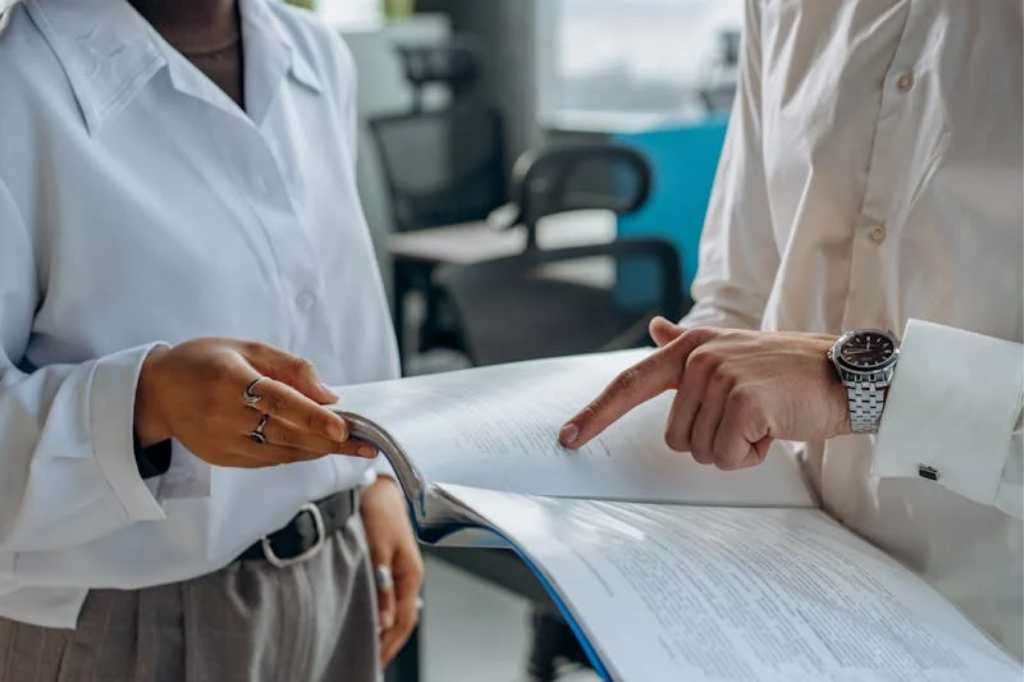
(535, 175)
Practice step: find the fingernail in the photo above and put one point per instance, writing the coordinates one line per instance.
(387, 621)
(366, 451)
(568, 434)
(327, 389)
(338, 432)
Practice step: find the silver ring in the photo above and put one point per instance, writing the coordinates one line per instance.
(251, 399)
(257, 436)
(383, 578)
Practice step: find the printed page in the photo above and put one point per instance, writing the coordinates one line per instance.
(497, 428)
(692, 593)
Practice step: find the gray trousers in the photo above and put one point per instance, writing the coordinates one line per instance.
(314, 622)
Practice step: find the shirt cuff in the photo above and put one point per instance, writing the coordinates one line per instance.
(382, 467)
(951, 410)
(112, 421)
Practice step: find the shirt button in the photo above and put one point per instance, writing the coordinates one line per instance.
(877, 234)
(305, 301)
(906, 82)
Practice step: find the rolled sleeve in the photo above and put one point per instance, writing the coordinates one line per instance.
(112, 421)
(952, 414)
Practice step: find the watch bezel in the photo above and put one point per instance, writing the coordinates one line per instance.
(840, 361)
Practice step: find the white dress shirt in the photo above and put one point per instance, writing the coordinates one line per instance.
(872, 175)
(139, 204)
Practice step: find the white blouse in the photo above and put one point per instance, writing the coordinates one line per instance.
(139, 204)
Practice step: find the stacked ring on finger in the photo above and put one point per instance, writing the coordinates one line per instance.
(383, 578)
(251, 397)
(257, 435)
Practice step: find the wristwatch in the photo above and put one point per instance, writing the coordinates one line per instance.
(866, 363)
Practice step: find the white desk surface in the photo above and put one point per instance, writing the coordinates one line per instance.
(475, 242)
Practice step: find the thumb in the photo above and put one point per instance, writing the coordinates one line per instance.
(297, 372)
(664, 332)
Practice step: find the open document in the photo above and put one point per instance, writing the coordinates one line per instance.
(496, 428)
(668, 570)
(696, 593)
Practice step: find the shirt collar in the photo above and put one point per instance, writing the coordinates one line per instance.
(260, 19)
(110, 53)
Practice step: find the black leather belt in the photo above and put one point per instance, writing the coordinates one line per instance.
(306, 533)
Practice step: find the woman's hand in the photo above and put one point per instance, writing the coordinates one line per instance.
(195, 393)
(393, 547)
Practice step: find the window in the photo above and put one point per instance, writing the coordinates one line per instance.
(615, 61)
(350, 14)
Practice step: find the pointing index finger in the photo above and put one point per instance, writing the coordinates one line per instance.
(647, 379)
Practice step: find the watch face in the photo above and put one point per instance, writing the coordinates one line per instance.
(868, 350)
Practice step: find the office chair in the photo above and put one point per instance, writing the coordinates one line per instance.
(441, 167)
(572, 177)
(553, 302)
(457, 65)
(545, 303)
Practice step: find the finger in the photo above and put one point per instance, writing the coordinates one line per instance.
(709, 414)
(386, 608)
(742, 433)
(687, 404)
(285, 434)
(652, 376)
(356, 448)
(274, 455)
(408, 582)
(382, 557)
(664, 332)
(232, 461)
(285, 403)
(407, 615)
(292, 370)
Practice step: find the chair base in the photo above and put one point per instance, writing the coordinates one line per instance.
(554, 645)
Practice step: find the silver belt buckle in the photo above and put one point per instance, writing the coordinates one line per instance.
(321, 538)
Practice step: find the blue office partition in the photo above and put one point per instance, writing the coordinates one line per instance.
(685, 159)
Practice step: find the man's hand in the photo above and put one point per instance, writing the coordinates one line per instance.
(737, 391)
(195, 393)
(393, 545)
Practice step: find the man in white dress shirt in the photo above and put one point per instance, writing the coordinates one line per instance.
(161, 196)
(872, 175)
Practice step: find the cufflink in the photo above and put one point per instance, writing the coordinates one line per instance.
(931, 473)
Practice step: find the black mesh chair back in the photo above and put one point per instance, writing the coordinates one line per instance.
(443, 167)
(456, 65)
(549, 303)
(578, 177)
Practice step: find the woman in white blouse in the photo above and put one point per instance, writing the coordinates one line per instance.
(183, 265)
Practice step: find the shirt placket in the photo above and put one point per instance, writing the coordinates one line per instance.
(291, 246)
(876, 227)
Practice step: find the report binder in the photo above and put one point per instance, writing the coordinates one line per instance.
(665, 569)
